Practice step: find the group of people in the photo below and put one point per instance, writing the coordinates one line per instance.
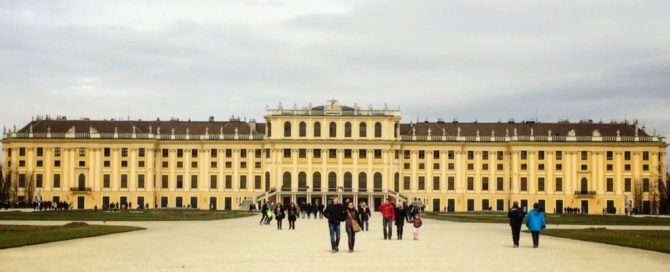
(535, 222)
(398, 215)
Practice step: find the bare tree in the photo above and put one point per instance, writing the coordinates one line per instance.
(13, 187)
(4, 189)
(637, 196)
(30, 188)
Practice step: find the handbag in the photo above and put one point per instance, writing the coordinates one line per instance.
(355, 227)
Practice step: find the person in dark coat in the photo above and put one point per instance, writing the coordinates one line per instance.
(516, 216)
(365, 215)
(351, 216)
(400, 214)
(279, 215)
(292, 215)
(264, 213)
(335, 213)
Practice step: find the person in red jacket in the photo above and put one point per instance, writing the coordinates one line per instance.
(388, 216)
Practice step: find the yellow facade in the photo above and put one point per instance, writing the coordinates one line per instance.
(313, 153)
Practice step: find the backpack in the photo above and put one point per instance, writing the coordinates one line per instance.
(417, 222)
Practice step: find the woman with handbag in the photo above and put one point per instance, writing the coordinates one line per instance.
(352, 225)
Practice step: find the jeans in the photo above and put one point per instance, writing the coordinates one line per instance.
(365, 225)
(388, 224)
(334, 235)
(291, 224)
(351, 237)
(516, 229)
(279, 223)
(536, 238)
(263, 217)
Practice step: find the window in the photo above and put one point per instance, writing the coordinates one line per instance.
(39, 163)
(559, 184)
(140, 152)
(451, 166)
(378, 130)
(316, 182)
(22, 180)
(585, 167)
(194, 153)
(559, 155)
(485, 183)
(471, 155)
(500, 184)
(645, 185)
(436, 166)
(540, 167)
(57, 151)
(524, 184)
(626, 167)
(140, 164)
(22, 151)
(164, 181)
(347, 153)
(180, 153)
(499, 167)
(213, 153)
(287, 152)
(524, 154)
(471, 166)
(645, 167)
(436, 154)
(180, 182)
(485, 155)
(317, 153)
(406, 183)
(347, 130)
(332, 153)
(378, 153)
(627, 184)
(302, 153)
(406, 165)
(257, 165)
(471, 183)
(450, 183)
(540, 155)
(243, 153)
(124, 181)
(610, 155)
(645, 156)
(332, 130)
(243, 164)
(436, 183)
(213, 164)
(540, 184)
(213, 182)
(422, 154)
(317, 129)
(610, 184)
(164, 164)
(124, 152)
(422, 166)
(610, 168)
(38, 181)
(626, 155)
(82, 163)
(257, 153)
(165, 152)
(229, 153)
(524, 167)
(40, 152)
(22, 163)
(287, 129)
(450, 155)
(406, 155)
(123, 164)
(229, 182)
(559, 167)
(500, 155)
(140, 181)
(422, 183)
(302, 129)
(362, 153)
(257, 182)
(243, 182)
(56, 181)
(485, 166)
(82, 151)
(362, 130)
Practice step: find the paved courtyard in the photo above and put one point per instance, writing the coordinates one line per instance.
(243, 245)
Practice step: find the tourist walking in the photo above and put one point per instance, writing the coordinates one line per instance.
(279, 215)
(335, 214)
(264, 213)
(400, 221)
(352, 225)
(388, 216)
(417, 223)
(292, 215)
(270, 213)
(365, 215)
(535, 223)
(320, 210)
(515, 216)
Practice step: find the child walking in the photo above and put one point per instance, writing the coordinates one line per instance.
(417, 222)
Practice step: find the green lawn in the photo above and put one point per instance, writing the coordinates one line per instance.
(567, 219)
(656, 240)
(16, 236)
(133, 215)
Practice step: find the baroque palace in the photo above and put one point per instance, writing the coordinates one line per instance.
(311, 154)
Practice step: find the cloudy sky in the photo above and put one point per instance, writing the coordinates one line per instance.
(470, 60)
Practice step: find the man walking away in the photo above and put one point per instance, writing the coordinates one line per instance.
(264, 213)
(535, 224)
(335, 214)
(364, 211)
(388, 216)
(515, 216)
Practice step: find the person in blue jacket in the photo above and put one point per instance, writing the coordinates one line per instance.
(535, 223)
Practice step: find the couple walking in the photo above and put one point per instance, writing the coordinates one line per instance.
(535, 222)
(336, 213)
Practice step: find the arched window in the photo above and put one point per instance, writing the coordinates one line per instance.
(362, 130)
(302, 129)
(396, 182)
(287, 129)
(333, 130)
(362, 182)
(302, 182)
(267, 181)
(378, 130)
(317, 129)
(286, 182)
(316, 182)
(378, 182)
(347, 130)
(585, 186)
(348, 184)
(82, 181)
(269, 129)
(332, 182)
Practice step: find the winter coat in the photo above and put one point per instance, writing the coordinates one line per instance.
(292, 214)
(516, 216)
(354, 216)
(279, 213)
(400, 215)
(335, 213)
(388, 211)
(365, 213)
(535, 220)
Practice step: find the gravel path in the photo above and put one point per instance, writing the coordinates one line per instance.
(243, 245)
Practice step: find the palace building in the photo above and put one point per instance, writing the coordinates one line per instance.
(313, 153)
